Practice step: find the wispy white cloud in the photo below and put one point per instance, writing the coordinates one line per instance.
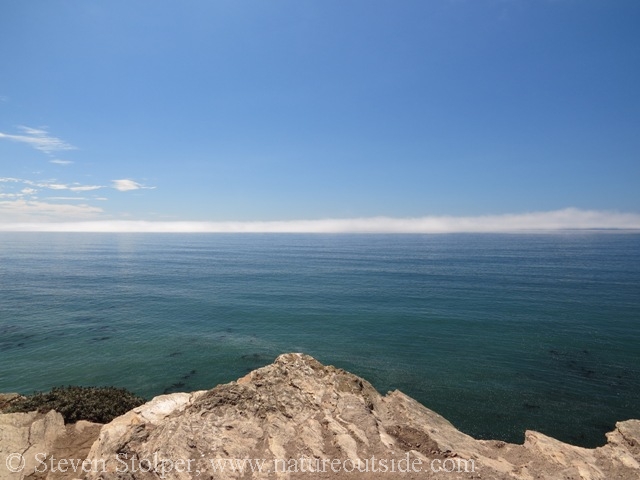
(125, 185)
(75, 199)
(26, 191)
(39, 139)
(29, 189)
(75, 187)
(57, 161)
(84, 188)
(527, 222)
(53, 186)
(16, 211)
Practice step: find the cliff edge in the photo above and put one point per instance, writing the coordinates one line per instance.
(297, 418)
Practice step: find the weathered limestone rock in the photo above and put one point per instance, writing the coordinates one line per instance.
(297, 416)
(293, 419)
(28, 439)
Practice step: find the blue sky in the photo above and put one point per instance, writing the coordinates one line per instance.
(288, 110)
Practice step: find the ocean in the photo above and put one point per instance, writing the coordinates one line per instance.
(497, 333)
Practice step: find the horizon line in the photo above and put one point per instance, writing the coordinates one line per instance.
(568, 219)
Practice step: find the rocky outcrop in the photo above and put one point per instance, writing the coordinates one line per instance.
(28, 441)
(297, 418)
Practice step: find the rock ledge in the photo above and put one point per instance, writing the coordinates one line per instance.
(297, 410)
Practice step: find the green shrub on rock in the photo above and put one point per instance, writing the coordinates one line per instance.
(95, 404)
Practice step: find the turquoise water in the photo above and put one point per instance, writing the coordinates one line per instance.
(498, 333)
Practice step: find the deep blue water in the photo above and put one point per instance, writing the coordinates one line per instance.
(498, 333)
